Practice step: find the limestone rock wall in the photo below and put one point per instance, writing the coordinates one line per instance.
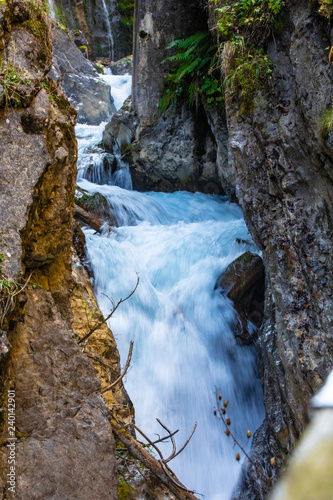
(64, 446)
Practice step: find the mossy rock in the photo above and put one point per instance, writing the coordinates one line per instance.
(123, 490)
(97, 205)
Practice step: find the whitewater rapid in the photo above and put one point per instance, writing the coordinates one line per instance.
(182, 327)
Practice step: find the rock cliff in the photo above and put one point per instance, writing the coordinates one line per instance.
(107, 25)
(276, 161)
(64, 446)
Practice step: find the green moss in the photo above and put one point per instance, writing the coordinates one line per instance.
(326, 123)
(126, 12)
(245, 27)
(37, 23)
(60, 15)
(92, 202)
(123, 489)
(326, 8)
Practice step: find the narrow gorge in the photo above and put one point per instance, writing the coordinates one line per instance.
(166, 249)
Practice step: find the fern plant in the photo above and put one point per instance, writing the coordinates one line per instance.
(192, 71)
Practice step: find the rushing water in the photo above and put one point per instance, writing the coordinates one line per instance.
(51, 10)
(182, 327)
(109, 31)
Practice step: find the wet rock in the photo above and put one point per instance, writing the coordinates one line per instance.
(175, 153)
(123, 66)
(4, 349)
(80, 81)
(243, 282)
(278, 159)
(120, 131)
(90, 22)
(64, 447)
(97, 205)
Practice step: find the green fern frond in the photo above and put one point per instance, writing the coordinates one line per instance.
(191, 66)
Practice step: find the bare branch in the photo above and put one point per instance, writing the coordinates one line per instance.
(230, 433)
(129, 357)
(172, 440)
(160, 440)
(92, 330)
(9, 289)
(195, 426)
(147, 439)
(155, 466)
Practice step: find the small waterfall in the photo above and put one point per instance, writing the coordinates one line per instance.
(109, 31)
(94, 163)
(121, 86)
(184, 346)
(51, 10)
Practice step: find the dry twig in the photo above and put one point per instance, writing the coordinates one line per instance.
(128, 362)
(226, 421)
(92, 330)
(157, 467)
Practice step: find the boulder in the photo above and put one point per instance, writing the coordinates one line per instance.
(96, 207)
(243, 282)
(80, 81)
(120, 131)
(177, 152)
(123, 66)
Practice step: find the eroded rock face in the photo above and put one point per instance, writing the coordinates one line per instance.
(64, 446)
(123, 66)
(80, 81)
(282, 168)
(120, 131)
(176, 150)
(96, 20)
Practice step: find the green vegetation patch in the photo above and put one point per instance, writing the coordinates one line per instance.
(61, 16)
(123, 489)
(326, 8)
(192, 73)
(126, 13)
(12, 80)
(326, 123)
(245, 27)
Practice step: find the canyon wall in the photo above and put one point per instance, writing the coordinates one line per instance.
(277, 162)
(64, 447)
